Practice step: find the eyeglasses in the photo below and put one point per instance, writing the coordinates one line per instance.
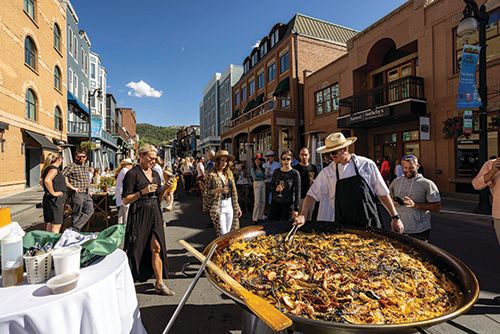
(81, 156)
(286, 158)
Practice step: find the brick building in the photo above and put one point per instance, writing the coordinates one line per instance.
(398, 84)
(268, 98)
(32, 89)
(129, 124)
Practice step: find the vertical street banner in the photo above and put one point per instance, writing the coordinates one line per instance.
(96, 126)
(425, 129)
(467, 122)
(468, 97)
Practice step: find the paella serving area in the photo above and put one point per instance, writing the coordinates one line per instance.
(342, 277)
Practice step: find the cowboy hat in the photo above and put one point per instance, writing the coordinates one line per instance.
(126, 161)
(224, 153)
(335, 141)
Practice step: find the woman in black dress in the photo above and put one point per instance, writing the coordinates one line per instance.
(54, 184)
(145, 236)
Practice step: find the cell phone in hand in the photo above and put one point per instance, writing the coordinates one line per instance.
(398, 200)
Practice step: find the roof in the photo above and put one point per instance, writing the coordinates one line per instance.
(313, 27)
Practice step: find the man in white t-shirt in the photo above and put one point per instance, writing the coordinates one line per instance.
(356, 180)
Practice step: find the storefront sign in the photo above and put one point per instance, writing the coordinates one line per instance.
(425, 129)
(468, 96)
(96, 126)
(468, 124)
(369, 114)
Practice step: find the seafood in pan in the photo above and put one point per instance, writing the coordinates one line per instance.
(341, 277)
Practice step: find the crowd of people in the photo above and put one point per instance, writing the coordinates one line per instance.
(351, 190)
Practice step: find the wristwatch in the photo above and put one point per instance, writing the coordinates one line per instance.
(395, 217)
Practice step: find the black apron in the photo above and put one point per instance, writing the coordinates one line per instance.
(355, 203)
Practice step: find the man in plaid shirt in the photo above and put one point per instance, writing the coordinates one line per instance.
(78, 180)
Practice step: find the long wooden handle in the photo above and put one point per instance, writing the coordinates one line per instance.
(259, 306)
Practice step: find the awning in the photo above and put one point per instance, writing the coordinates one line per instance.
(250, 105)
(4, 126)
(283, 87)
(77, 103)
(43, 141)
(259, 100)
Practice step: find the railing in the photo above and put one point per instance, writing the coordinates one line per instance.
(109, 138)
(80, 128)
(276, 104)
(410, 87)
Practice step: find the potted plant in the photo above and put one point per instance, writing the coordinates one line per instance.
(106, 182)
(87, 146)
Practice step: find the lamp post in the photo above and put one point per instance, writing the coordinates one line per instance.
(97, 91)
(474, 17)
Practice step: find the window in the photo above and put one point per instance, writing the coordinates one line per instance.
(92, 71)
(57, 37)
(70, 40)
(75, 85)
(275, 37)
(243, 92)
(255, 58)
(57, 78)
(70, 79)
(29, 8)
(58, 124)
(237, 98)
(251, 87)
(263, 50)
(30, 53)
(327, 100)
(284, 62)
(271, 72)
(246, 67)
(492, 40)
(30, 105)
(260, 80)
(75, 47)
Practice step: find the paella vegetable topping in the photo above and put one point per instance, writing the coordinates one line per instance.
(341, 277)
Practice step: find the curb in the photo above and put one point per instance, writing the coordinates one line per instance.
(480, 215)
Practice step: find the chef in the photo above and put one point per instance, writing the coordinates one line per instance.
(351, 183)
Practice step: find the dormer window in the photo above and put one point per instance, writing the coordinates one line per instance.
(255, 58)
(275, 37)
(263, 50)
(246, 66)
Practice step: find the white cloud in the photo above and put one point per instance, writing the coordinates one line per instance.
(141, 89)
(257, 43)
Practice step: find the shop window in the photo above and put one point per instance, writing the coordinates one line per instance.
(263, 141)
(327, 100)
(411, 143)
(492, 40)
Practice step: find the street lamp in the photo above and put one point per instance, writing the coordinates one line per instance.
(97, 91)
(475, 17)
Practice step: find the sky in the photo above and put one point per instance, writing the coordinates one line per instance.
(160, 54)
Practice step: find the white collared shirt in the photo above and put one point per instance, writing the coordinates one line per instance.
(324, 185)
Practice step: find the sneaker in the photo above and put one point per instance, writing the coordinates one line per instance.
(162, 289)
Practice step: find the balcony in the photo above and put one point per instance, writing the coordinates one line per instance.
(78, 129)
(274, 104)
(402, 99)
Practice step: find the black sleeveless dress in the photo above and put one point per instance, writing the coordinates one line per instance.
(144, 220)
(53, 207)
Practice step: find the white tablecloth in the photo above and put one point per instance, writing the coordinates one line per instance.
(103, 302)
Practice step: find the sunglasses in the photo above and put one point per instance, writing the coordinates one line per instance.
(334, 153)
(81, 156)
(286, 158)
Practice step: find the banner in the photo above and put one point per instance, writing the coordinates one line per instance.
(468, 124)
(468, 96)
(96, 126)
(425, 129)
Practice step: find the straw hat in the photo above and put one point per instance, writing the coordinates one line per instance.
(270, 153)
(126, 161)
(168, 171)
(224, 153)
(336, 141)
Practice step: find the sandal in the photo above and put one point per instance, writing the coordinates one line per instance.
(162, 289)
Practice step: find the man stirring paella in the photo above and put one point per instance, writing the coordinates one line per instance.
(357, 181)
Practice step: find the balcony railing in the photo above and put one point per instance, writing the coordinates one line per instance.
(78, 128)
(410, 87)
(276, 104)
(106, 136)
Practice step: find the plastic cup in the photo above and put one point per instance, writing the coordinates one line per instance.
(67, 259)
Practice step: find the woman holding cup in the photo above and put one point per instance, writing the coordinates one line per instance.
(145, 236)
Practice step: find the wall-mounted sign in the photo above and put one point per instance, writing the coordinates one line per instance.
(424, 127)
(369, 115)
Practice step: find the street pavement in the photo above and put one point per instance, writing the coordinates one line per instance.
(469, 237)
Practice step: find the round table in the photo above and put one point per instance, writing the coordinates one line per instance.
(103, 302)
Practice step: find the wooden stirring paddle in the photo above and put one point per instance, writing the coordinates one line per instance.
(273, 317)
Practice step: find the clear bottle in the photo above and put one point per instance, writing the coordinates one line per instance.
(12, 260)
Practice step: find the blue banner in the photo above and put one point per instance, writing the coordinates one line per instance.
(96, 126)
(468, 96)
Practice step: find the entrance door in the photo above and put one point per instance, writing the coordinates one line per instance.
(32, 166)
(386, 146)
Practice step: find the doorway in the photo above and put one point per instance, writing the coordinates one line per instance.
(32, 166)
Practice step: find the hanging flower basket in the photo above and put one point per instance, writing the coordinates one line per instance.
(87, 146)
(453, 127)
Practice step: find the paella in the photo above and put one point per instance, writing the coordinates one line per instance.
(342, 277)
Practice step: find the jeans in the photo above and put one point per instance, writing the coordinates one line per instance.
(83, 209)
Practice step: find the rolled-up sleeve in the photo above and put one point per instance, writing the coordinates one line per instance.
(478, 182)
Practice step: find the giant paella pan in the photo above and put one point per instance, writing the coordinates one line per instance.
(383, 293)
